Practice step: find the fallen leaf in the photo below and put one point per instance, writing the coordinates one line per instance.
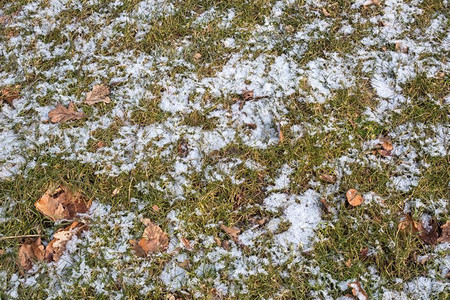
(137, 249)
(247, 95)
(280, 134)
(357, 290)
(371, 2)
(348, 263)
(231, 231)
(98, 94)
(325, 204)
(56, 247)
(61, 203)
(445, 235)
(407, 224)
(363, 253)
(29, 251)
(186, 243)
(400, 48)
(385, 146)
(197, 56)
(225, 245)
(155, 208)
(251, 125)
(2, 251)
(183, 148)
(100, 144)
(328, 178)
(154, 238)
(428, 231)
(218, 241)
(9, 94)
(325, 12)
(354, 198)
(62, 114)
(115, 192)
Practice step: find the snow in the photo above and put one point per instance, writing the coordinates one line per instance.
(281, 78)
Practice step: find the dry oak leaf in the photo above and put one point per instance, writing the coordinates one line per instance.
(61, 203)
(56, 247)
(61, 114)
(358, 291)
(98, 94)
(445, 235)
(9, 94)
(231, 231)
(30, 250)
(354, 197)
(154, 238)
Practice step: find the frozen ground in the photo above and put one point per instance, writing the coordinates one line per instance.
(177, 134)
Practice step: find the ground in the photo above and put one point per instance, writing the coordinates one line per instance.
(331, 81)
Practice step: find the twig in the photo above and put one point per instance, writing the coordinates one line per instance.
(18, 236)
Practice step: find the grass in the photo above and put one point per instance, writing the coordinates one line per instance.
(331, 132)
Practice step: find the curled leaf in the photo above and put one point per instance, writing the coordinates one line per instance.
(354, 197)
(56, 247)
(154, 238)
(62, 203)
(61, 114)
(29, 251)
(98, 94)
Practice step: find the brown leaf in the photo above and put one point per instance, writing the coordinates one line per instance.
(30, 250)
(325, 205)
(137, 249)
(197, 56)
(280, 134)
(325, 12)
(328, 178)
(428, 231)
(56, 247)
(154, 238)
(231, 231)
(363, 253)
(372, 2)
(186, 243)
(400, 48)
(354, 197)
(62, 114)
(2, 251)
(358, 291)
(9, 94)
(348, 263)
(247, 95)
(155, 208)
(445, 235)
(407, 224)
(98, 94)
(61, 203)
(386, 146)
